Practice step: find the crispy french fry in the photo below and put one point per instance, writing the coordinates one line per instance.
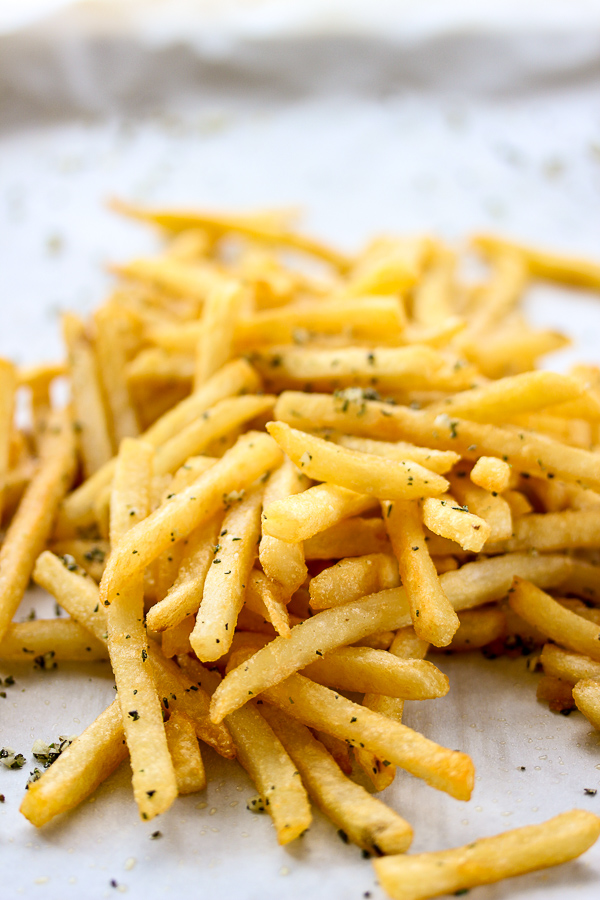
(185, 753)
(439, 461)
(223, 304)
(491, 473)
(491, 508)
(586, 695)
(89, 555)
(478, 627)
(79, 769)
(433, 617)
(283, 561)
(546, 614)
(350, 537)
(300, 516)
(568, 666)
(449, 519)
(363, 819)
(176, 640)
(32, 523)
(555, 531)
(227, 577)
(338, 750)
(267, 599)
(352, 578)
(111, 345)
(59, 639)
(488, 860)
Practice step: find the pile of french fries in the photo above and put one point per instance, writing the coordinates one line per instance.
(285, 475)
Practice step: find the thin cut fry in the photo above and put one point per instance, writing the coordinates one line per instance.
(300, 516)
(185, 753)
(222, 307)
(491, 508)
(439, 461)
(283, 561)
(8, 384)
(586, 695)
(54, 639)
(554, 266)
(350, 579)
(449, 519)
(568, 666)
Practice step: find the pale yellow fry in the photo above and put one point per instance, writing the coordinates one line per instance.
(439, 461)
(518, 502)
(319, 707)
(183, 598)
(415, 367)
(526, 452)
(352, 578)
(79, 596)
(364, 820)
(568, 666)
(31, 525)
(367, 319)
(227, 578)
(8, 385)
(176, 640)
(583, 580)
(265, 227)
(267, 599)
(491, 474)
(252, 456)
(88, 403)
(406, 645)
(449, 519)
(511, 350)
(90, 555)
(488, 860)
(79, 769)
(339, 750)
(543, 264)
(389, 265)
(215, 345)
(472, 585)
(364, 670)
(351, 537)
(587, 699)
(361, 472)
(282, 561)
(235, 378)
(112, 339)
(433, 295)
(555, 530)
(433, 617)
(477, 628)
(153, 776)
(553, 620)
(300, 516)
(185, 753)
(57, 639)
(488, 506)
(501, 293)
(172, 275)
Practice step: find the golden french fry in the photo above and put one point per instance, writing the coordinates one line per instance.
(568, 666)
(227, 578)
(540, 263)
(352, 578)
(363, 819)
(355, 471)
(511, 351)
(491, 508)
(488, 860)
(338, 750)
(79, 769)
(223, 305)
(176, 639)
(32, 523)
(266, 598)
(478, 627)
(433, 295)
(553, 620)
(501, 293)
(57, 639)
(113, 329)
(89, 555)
(350, 537)
(185, 753)
(8, 385)
(433, 617)
(449, 519)
(282, 561)
(586, 695)
(214, 490)
(389, 265)
(555, 531)
(491, 473)
(438, 461)
(300, 516)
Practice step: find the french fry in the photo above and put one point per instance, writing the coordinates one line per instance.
(449, 519)
(8, 384)
(352, 578)
(433, 617)
(112, 337)
(586, 695)
(555, 531)
(185, 753)
(488, 860)
(438, 461)
(223, 304)
(491, 474)
(79, 769)
(89, 555)
(61, 639)
(389, 265)
(511, 351)
(350, 537)
(283, 561)
(541, 264)
(363, 819)
(267, 599)
(432, 297)
(568, 666)
(477, 628)
(235, 378)
(176, 639)
(153, 776)
(491, 508)
(190, 508)
(556, 693)
(300, 516)
(32, 523)
(317, 706)
(338, 750)
(364, 670)
(227, 577)
(355, 471)
(501, 292)
(546, 614)
(88, 403)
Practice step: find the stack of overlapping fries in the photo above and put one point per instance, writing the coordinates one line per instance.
(285, 475)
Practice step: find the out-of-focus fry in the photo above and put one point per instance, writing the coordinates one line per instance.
(363, 819)
(8, 384)
(586, 695)
(50, 639)
(111, 344)
(79, 769)
(89, 555)
(565, 627)
(433, 617)
(355, 471)
(352, 578)
(491, 474)
(32, 523)
(185, 753)
(555, 531)
(488, 860)
(510, 351)
(449, 519)
(556, 693)
(542, 264)
(222, 307)
(283, 561)
(518, 502)
(88, 402)
(568, 666)
(300, 516)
